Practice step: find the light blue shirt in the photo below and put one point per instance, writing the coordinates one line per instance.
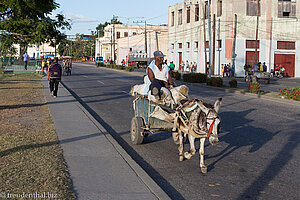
(25, 57)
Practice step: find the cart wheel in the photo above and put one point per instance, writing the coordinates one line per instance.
(137, 131)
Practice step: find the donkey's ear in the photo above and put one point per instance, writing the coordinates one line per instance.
(218, 104)
(203, 108)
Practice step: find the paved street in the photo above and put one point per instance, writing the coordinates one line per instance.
(257, 157)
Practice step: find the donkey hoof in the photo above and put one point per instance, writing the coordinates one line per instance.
(180, 158)
(203, 170)
(187, 155)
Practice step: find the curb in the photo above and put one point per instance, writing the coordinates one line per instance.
(146, 179)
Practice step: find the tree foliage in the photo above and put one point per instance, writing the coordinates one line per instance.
(100, 27)
(28, 22)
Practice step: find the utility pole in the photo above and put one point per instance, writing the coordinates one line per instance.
(209, 39)
(219, 50)
(111, 44)
(146, 39)
(145, 34)
(234, 44)
(270, 53)
(204, 37)
(256, 38)
(114, 47)
(156, 36)
(214, 44)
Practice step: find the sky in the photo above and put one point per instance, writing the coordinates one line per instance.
(87, 14)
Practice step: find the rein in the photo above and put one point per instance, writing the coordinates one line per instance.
(211, 128)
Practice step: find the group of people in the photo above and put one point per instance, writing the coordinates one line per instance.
(188, 66)
(227, 70)
(279, 70)
(259, 67)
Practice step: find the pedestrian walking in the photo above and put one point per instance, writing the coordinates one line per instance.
(172, 66)
(25, 56)
(54, 76)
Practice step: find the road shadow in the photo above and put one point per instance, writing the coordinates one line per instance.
(33, 146)
(240, 135)
(274, 168)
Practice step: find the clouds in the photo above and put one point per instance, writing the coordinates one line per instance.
(74, 18)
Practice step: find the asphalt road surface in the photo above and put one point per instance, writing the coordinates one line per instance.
(258, 155)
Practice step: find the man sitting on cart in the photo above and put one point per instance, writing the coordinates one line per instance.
(159, 75)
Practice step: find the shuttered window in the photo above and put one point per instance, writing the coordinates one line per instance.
(197, 13)
(206, 10)
(252, 8)
(286, 8)
(180, 17)
(188, 15)
(172, 18)
(118, 35)
(286, 45)
(219, 5)
(251, 44)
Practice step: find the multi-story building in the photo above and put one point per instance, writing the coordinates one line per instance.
(129, 38)
(278, 40)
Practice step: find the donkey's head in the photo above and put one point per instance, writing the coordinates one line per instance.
(213, 120)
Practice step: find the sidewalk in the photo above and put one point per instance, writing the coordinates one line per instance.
(99, 167)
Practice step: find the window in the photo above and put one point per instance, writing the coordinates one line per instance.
(196, 45)
(251, 44)
(219, 5)
(286, 45)
(180, 17)
(206, 10)
(172, 18)
(197, 13)
(118, 35)
(252, 8)
(207, 44)
(125, 34)
(134, 33)
(287, 8)
(188, 15)
(188, 45)
(172, 46)
(219, 44)
(180, 45)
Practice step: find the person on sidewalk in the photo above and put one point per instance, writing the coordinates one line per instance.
(159, 74)
(54, 76)
(25, 55)
(172, 66)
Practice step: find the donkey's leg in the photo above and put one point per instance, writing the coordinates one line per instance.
(201, 152)
(192, 147)
(180, 148)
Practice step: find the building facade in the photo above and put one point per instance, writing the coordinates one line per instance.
(278, 41)
(124, 39)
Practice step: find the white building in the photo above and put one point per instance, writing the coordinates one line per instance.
(36, 51)
(278, 30)
(130, 38)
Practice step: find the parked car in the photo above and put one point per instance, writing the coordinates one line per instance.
(99, 61)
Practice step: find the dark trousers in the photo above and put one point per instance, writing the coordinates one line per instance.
(54, 85)
(25, 65)
(156, 83)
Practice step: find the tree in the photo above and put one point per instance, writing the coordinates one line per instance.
(29, 22)
(100, 27)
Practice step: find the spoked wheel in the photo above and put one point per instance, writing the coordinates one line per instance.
(137, 130)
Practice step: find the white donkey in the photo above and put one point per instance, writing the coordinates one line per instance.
(203, 123)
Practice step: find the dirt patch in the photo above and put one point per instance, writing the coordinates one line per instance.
(31, 160)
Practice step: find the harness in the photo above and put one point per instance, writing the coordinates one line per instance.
(181, 114)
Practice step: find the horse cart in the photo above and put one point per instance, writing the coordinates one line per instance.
(142, 123)
(192, 118)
